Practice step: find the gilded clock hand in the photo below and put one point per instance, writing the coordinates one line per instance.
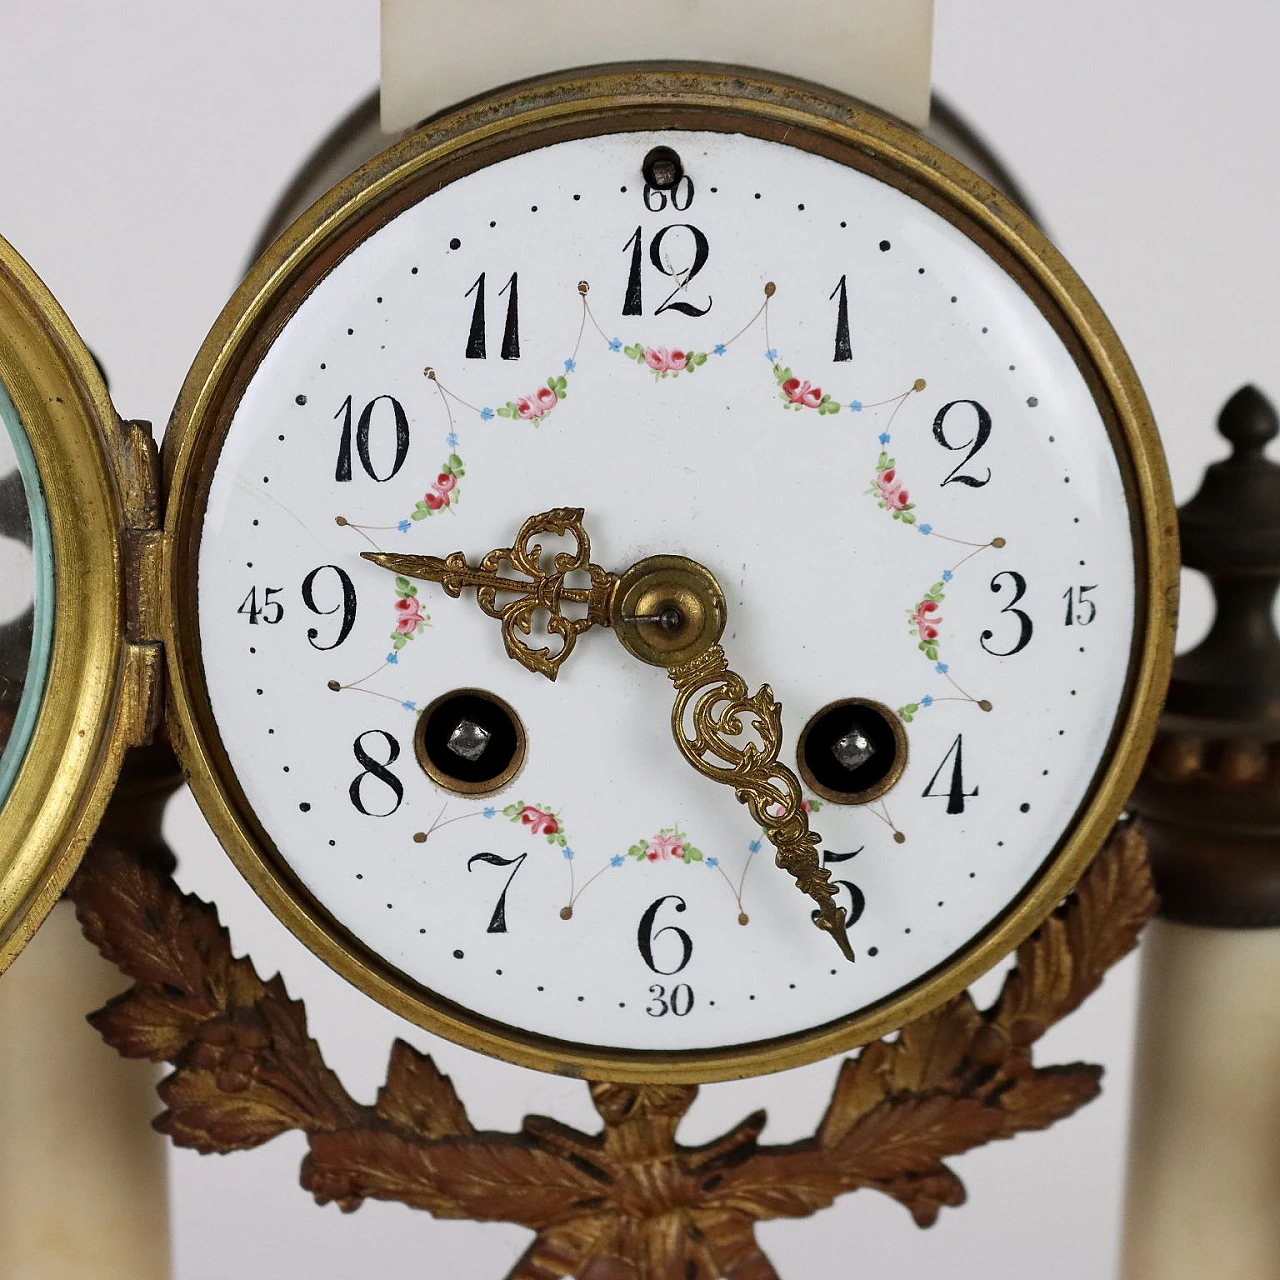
(537, 590)
(668, 611)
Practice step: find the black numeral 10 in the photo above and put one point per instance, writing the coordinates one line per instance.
(363, 430)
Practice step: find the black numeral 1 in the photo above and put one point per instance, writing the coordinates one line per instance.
(633, 303)
(844, 346)
(475, 339)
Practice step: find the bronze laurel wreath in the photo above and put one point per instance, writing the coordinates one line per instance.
(628, 1203)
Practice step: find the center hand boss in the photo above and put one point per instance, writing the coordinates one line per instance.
(668, 611)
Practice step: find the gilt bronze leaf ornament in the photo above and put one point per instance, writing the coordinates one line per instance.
(629, 1202)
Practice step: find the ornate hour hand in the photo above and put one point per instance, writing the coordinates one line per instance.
(536, 590)
(668, 611)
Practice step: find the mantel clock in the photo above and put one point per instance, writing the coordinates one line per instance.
(732, 367)
(812, 420)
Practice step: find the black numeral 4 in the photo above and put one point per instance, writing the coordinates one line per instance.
(955, 793)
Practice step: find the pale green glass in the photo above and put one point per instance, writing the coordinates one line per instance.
(26, 595)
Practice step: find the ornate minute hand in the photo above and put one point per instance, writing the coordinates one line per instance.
(668, 611)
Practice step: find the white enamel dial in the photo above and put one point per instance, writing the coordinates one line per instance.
(894, 467)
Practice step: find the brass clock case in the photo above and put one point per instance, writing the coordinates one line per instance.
(590, 103)
(95, 696)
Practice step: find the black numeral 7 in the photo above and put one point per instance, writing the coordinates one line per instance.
(498, 921)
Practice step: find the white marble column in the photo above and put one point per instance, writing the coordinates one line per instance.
(82, 1174)
(1204, 1166)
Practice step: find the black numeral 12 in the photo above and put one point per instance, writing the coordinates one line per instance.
(511, 331)
(633, 301)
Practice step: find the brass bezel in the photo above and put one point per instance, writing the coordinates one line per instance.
(890, 779)
(75, 751)
(654, 97)
(470, 788)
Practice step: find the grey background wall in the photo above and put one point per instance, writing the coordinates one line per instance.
(140, 145)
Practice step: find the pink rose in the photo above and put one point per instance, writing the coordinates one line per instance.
(802, 393)
(927, 619)
(538, 405)
(435, 499)
(538, 822)
(657, 358)
(892, 494)
(662, 847)
(445, 482)
(410, 614)
(677, 361)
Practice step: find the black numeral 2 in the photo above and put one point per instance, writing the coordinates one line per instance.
(981, 434)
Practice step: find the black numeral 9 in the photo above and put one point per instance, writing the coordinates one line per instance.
(347, 604)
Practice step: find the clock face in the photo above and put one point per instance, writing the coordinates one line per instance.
(783, 367)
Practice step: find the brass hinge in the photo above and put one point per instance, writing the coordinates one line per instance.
(143, 693)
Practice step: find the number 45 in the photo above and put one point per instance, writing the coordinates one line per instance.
(262, 613)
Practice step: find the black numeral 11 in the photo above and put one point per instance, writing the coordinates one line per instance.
(511, 331)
